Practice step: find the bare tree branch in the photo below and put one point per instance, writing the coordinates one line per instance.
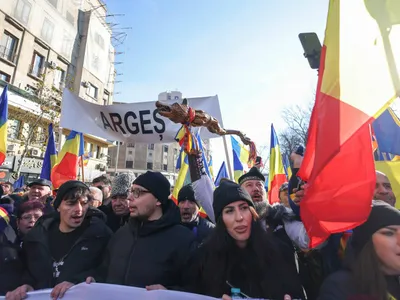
(297, 120)
(48, 99)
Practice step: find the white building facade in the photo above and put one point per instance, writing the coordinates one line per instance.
(69, 42)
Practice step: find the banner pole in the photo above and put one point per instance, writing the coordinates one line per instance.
(228, 161)
(59, 139)
(116, 159)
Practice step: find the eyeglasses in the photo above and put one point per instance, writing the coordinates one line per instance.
(136, 193)
(29, 217)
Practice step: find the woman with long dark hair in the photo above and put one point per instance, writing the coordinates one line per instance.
(373, 269)
(239, 253)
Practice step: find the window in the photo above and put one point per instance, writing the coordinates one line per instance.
(47, 30)
(98, 152)
(165, 148)
(149, 166)
(129, 164)
(175, 151)
(53, 2)
(22, 11)
(59, 79)
(92, 91)
(99, 40)
(95, 61)
(165, 168)
(176, 97)
(8, 46)
(13, 129)
(67, 42)
(131, 145)
(130, 152)
(150, 147)
(70, 18)
(5, 77)
(37, 65)
(150, 155)
(106, 98)
(169, 97)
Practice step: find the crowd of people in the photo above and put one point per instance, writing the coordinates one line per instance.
(130, 232)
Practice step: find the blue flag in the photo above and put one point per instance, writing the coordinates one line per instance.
(50, 156)
(19, 183)
(222, 173)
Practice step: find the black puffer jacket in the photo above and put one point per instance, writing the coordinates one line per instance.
(81, 261)
(146, 253)
(11, 265)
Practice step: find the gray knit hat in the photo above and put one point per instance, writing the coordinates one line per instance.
(121, 184)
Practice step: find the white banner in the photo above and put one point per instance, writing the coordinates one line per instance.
(131, 122)
(100, 291)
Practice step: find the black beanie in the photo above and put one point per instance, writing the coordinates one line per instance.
(155, 183)
(226, 193)
(382, 215)
(253, 174)
(64, 189)
(187, 193)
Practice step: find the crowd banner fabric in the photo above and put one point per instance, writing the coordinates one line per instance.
(100, 291)
(129, 122)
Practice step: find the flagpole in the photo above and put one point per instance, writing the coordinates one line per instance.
(59, 139)
(83, 170)
(228, 161)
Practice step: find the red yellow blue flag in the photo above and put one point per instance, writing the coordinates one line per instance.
(3, 124)
(66, 167)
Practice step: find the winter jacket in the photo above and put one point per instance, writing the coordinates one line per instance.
(113, 221)
(11, 265)
(146, 253)
(243, 271)
(201, 228)
(79, 263)
(340, 285)
(292, 236)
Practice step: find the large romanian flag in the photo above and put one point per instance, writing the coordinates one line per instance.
(66, 167)
(50, 156)
(277, 174)
(3, 124)
(358, 79)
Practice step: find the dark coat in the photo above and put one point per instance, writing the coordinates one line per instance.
(80, 262)
(272, 280)
(11, 265)
(201, 228)
(340, 285)
(113, 221)
(146, 253)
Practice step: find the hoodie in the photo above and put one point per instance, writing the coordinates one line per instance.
(143, 253)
